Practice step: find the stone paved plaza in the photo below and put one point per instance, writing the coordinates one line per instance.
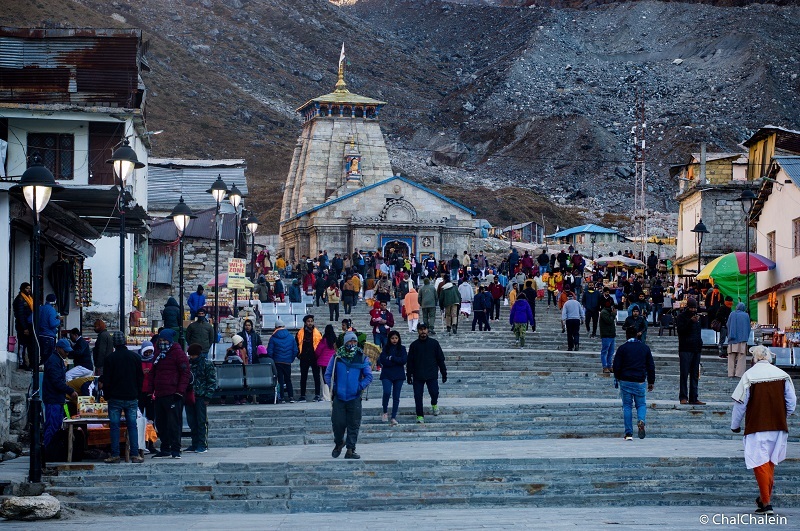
(526, 438)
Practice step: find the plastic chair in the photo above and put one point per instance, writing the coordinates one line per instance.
(230, 377)
(667, 322)
(262, 376)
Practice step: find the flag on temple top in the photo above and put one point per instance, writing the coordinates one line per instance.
(341, 55)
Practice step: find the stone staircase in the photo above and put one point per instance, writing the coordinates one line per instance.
(530, 427)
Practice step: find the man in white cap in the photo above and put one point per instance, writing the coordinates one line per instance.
(765, 397)
(282, 348)
(348, 374)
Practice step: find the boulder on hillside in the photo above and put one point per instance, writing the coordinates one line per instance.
(30, 508)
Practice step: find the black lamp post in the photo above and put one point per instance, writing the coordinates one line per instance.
(700, 230)
(217, 191)
(593, 239)
(181, 215)
(252, 227)
(748, 198)
(125, 161)
(37, 183)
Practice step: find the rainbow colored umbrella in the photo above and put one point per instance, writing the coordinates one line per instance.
(735, 264)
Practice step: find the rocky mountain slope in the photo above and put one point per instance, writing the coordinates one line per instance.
(534, 105)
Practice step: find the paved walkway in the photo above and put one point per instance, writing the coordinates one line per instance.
(455, 450)
(618, 518)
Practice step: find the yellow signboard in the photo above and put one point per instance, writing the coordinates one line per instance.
(237, 275)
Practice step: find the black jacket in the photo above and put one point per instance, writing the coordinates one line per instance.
(392, 361)
(82, 354)
(689, 338)
(171, 314)
(425, 360)
(122, 375)
(633, 362)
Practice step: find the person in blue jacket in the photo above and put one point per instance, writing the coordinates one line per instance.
(348, 374)
(196, 301)
(47, 328)
(392, 362)
(55, 390)
(283, 350)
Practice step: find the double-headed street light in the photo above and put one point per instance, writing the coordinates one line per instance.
(218, 191)
(37, 184)
(747, 199)
(181, 215)
(700, 230)
(125, 161)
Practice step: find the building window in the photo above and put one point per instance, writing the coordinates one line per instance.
(796, 237)
(771, 245)
(57, 152)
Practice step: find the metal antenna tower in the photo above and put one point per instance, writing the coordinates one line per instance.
(640, 183)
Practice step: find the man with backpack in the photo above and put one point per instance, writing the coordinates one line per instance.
(348, 374)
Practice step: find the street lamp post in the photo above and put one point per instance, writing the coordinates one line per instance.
(218, 191)
(37, 184)
(700, 230)
(125, 161)
(235, 197)
(181, 215)
(252, 227)
(747, 199)
(593, 239)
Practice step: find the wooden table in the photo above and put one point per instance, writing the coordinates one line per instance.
(85, 421)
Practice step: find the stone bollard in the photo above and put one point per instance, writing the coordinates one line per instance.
(30, 508)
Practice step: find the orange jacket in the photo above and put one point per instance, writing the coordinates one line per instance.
(301, 334)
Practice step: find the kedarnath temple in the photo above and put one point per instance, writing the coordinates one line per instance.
(342, 195)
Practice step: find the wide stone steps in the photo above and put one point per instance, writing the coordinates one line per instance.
(547, 383)
(268, 427)
(330, 485)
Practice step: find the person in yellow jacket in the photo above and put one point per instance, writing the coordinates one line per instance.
(308, 338)
(551, 291)
(280, 264)
(411, 306)
(334, 296)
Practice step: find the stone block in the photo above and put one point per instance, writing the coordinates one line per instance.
(30, 508)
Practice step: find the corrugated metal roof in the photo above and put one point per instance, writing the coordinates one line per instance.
(166, 184)
(791, 165)
(197, 163)
(86, 66)
(202, 227)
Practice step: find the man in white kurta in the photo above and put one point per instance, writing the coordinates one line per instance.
(765, 397)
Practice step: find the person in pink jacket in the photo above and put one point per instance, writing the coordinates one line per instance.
(325, 350)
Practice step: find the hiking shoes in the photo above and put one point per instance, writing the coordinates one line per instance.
(628, 437)
(162, 455)
(394, 422)
(201, 450)
(190, 449)
(435, 409)
(420, 420)
(351, 454)
(765, 509)
(137, 459)
(385, 417)
(111, 460)
(337, 450)
(642, 433)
